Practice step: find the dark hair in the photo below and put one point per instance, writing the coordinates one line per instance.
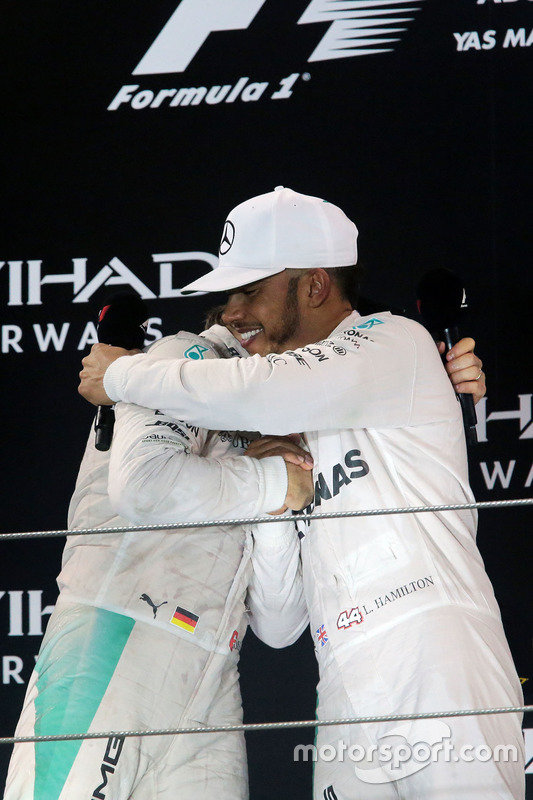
(348, 280)
(214, 317)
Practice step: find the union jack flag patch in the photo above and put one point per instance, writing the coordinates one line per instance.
(322, 636)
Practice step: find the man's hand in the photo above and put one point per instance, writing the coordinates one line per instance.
(465, 368)
(288, 447)
(301, 487)
(92, 375)
(299, 465)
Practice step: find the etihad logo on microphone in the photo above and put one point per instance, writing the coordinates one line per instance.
(356, 28)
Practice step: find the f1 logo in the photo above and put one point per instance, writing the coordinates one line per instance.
(188, 28)
(358, 28)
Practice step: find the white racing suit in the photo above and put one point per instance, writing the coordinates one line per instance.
(401, 610)
(148, 626)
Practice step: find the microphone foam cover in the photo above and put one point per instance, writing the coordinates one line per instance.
(121, 321)
(440, 297)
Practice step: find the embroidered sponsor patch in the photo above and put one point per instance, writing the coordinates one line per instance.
(196, 352)
(185, 619)
(370, 323)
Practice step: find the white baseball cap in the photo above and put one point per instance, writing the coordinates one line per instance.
(276, 231)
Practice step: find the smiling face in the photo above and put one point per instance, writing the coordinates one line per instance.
(265, 316)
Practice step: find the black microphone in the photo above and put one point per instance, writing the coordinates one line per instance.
(441, 297)
(122, 323)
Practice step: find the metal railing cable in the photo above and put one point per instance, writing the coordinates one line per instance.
(265, 726)
(184, 526)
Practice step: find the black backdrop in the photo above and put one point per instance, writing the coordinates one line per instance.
(425, 141)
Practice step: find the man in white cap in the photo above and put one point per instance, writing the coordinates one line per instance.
(402, 611)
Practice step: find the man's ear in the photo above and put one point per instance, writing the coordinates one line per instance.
(318, 287)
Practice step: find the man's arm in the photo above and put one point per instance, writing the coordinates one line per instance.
(163, 470)
(464, 369)
(275, 593)
(358, 378)
(160, 471)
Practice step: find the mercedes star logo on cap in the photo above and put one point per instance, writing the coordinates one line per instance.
(228, 238)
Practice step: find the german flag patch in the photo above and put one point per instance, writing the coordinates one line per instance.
(185, 619)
